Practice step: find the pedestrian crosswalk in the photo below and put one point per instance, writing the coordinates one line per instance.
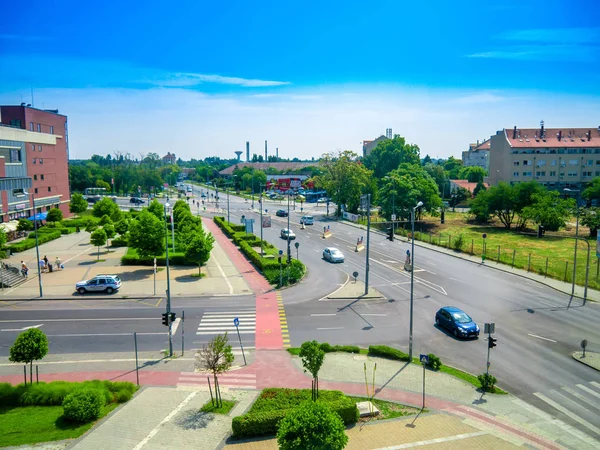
(231, 380)
(579, 405)
(213, 323)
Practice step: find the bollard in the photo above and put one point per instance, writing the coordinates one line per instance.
(529, 263)
(566, 269)
(546, 274)
(449, 240)
(472, 244)
(513, 261)
(498, 253)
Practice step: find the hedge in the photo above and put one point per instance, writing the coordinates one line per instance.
(388, 352)
(328, 348)
(177, 259)
(26, 244)
(81, 223)
(53, 393)
(264, 421)
(120, 241)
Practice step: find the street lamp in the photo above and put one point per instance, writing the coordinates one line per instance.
(37, 248)
(576, 236)
(168, 280)
(289, 250)
(412, 278)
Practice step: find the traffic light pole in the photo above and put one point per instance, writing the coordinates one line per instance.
(168, 286)
(368, 240)
(487, 366)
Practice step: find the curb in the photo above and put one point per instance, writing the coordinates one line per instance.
(104, 297)
(435, 249)
(577, 357)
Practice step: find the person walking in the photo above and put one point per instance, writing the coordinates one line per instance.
(24, 269)
(57, 263)
(46, 260)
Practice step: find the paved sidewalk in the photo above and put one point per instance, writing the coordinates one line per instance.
(591, 359)
(81, 262)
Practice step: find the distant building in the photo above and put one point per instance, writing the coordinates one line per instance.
(34, 155)
(477, 155)
(455, 184)
(169, 158)
(369, 146)
(264, 166)
(558, 158)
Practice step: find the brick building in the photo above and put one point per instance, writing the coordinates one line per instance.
(34, 158)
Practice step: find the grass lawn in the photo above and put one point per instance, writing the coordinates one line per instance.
(388, 410)
(33, 424)
(224, 409)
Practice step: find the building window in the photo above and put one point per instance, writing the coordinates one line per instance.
(553, 162)
(33, 147)
(541, 163)
(516, 163)
(51, 129)
(41, 160)
(36, 190)
(515, 174)
(18, 192)
(33, 161)
(15, 156)
(587, 174)
(35, 178)
(553, 173)
(527, 162)
(573, 162)
(49, 189)
(30, 126)
(526, 174)
(15, 123)
(598, 174)
(572, 174)
(39, 128)
(573, 151)
(562, 175)
(540, 174)
(42, 176)
(590, 162)
(39, 148)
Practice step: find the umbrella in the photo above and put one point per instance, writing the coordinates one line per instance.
(39, 216)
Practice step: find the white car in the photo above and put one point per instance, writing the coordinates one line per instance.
(100, 283)
(287, 234)
(332, 254)
(307, 220)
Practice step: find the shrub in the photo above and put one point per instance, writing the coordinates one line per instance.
(257, 424)
(328, 348)
(83, 405)
(459, 242)
(487, 382)
(120, 241)
(26, 244)
(81, 223)
(434, 362)
(388, 352)
(25, 225)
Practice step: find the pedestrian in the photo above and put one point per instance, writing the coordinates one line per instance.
(42, 265)
(57, 263)
(24, 269)
(46, 260)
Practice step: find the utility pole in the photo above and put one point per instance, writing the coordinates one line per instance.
(168, 283)
(412, 279)
(367, 198)
(289, 250)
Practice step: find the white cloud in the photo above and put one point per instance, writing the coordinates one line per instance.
(194, 79)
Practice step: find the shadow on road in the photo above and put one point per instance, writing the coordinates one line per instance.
(379, 389)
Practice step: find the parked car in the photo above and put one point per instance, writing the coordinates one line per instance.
(281, 213)
(457, 322)
(307, 220)
(100, 283)
(136, 201)
(332, 254)
(287, 233)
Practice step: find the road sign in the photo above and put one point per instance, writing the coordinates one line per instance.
(424, 359)
(484, 235)
(584, 343)
(598, 246)
(297, 244)
(236, 322)
(266, 222)
(281, 252)
(295, 184)
(489, 328)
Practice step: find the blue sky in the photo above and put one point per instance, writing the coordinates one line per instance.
(201, 78)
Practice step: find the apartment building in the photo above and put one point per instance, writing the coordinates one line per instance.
(555, 157)
(34, 160)
(477, 155)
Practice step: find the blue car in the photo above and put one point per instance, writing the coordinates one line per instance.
(456, 321)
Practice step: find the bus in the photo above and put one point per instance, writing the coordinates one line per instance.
(95, 191)
(312, 197)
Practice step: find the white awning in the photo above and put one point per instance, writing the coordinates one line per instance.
(10, 226)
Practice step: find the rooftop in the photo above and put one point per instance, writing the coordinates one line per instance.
(553, 137)
(467, 184)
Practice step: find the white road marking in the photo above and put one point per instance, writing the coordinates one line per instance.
(223, 275)
(435, 441)
(378, 315)
(211, 333)
(78, 320)
(456, 279)
(320, 315)
(24, 328)
(429, 284)
(588, 390)
(547, 304)
(540, 337)
(331, 328)
(582, 398)
(175, 325)
(164, 333)
(165, 420)
(565, 411)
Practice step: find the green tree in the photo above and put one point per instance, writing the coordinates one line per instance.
(312, 356)
(199, 246)
(147, 235)
(31, 345)
(524, 196)
(590, 217)
(98, 239)
(345, 179)
(217, 358)
(480, 187)
(452, 166)
(122, 226)
(103, 184)
(157, 209)
(78, 204)
(105, 219)
(311, 426)
(458, 196)
(549, 210)
(440, 176)
(500, 201)
(390, 154)
(109, 229)
(106, 207)
(473, 174)
(3, 240)
(592, 191)
(25, 225)
(54, 215)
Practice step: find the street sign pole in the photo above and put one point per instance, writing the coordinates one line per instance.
(367, 198)
(489, 328)
(424, 361)
(154, 276)
(236, 322)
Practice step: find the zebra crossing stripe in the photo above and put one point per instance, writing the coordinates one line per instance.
(581, 397)
(566, 412)
(588, 390)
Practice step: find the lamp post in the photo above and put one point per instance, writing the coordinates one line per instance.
(227, 204)
(37, 248)
(576, 236)
(252, 187)
(289, 250)
(412, 279)
(168, 280)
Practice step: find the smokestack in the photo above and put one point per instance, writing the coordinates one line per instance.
(559, 135)
(515, 132)
(265, 151)
(589, 135)
(277, 153)
(247, 151)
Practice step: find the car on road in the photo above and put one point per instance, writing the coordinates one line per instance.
(307, 220)
(332, 254)
(287, 233)
(159, 195)
(322, 200)
(100, 283)
(136, 201)
(456, 321)
(281, 213)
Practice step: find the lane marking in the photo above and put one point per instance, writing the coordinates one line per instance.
(456, 279)
(547, 304)
(78, 320)
(212, 333)
(429, 284)
(24, 328)
(164, 421)
(581, 397)
(540, 337)
(565, 411)
(588, 390)
(320, 315)
(163, 333)
(223, 275)
(175, 325)
(378, 315)
(331, 328)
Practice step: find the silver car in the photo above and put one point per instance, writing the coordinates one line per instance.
(332, 254)
(100, 283)
(286, 233)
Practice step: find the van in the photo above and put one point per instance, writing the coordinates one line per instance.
(307, 220)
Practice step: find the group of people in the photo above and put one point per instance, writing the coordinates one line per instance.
(45, 266)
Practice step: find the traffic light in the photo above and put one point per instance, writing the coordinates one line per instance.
(491, 342)
(165, 319)
(390, 233)
(443, 216)
(172, 317)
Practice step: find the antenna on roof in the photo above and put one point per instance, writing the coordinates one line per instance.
(32, 102)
